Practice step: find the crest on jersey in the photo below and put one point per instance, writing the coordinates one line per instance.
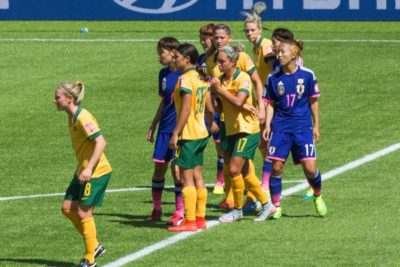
(164, 84)
(281, 88)
(272, 150)
(300, 88)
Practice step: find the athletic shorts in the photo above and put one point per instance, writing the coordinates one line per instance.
(242, 145)
(162, 153)
(216, 136)
(90, 193)
(190, 153)
(300, 144)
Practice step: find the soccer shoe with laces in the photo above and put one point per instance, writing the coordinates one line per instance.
(155, 216)
(100, 250)
(186, 226)
(232, 216)
(176, 219)
(201, 223)
(225, 204)
(320, 206)
(308, 194)
(218, 189)
(85, 263)
(267, 211)
(251, 205)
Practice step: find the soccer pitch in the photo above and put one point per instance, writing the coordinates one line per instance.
(356, 64)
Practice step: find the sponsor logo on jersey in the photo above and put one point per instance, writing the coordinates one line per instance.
(164, 84)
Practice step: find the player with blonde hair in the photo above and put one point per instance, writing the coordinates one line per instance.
(89, 183)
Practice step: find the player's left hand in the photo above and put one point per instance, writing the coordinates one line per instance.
(316, 134)
(173, 142)
(85, 175)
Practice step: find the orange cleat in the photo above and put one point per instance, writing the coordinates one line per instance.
(186, 226)
(201, 223)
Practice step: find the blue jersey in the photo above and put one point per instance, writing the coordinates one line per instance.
(201, 62)
(166, 84)
(290, 95)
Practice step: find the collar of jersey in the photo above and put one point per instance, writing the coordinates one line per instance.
(189, 69)
(235, 75)
(78, 111)
(259, 42)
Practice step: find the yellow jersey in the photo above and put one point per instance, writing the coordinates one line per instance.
(262, 49)
(83, 129)
(190, 83)
(238, 120)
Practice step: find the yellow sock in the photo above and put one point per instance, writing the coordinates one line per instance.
(228, 184)
(89, 237)
(238, 189)
(73, 216)
(201, 202)
(255, 188)
(252, 169)
(189, 202)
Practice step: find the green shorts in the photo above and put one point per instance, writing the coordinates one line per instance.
(190, 153)
(90, 193)
(242, 145)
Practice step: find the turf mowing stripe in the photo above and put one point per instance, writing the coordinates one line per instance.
(102, 40)
(178, 237)
(116, 191)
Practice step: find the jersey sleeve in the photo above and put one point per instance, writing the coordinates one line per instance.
(314, 88)
(268, 94)
(246, 63)
(160, 77)
(89, 126)
(245, 86)
(185, 85)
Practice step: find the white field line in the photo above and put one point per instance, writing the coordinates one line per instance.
(330, 174)
(111, 40)
(115, 191)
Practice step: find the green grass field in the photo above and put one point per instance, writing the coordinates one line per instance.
(356, 64)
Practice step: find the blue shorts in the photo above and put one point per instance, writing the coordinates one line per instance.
(162, 153)
(300, 144)
(216, 136)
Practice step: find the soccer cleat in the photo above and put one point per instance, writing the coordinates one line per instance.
(176, 219)
(218, 189)
(225, 204)
(85, 263)
(100, 250)
(267, 211)
(201, 223)
(309, 194)
(155, 216)
(278, 213)
(186, 226)
(251, 205)
(320, 206)
(232, 216)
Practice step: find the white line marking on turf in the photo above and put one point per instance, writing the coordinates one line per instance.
(330, 174)
(109, 40)
(117, 190)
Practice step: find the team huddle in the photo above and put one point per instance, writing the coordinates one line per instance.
(267, 102)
